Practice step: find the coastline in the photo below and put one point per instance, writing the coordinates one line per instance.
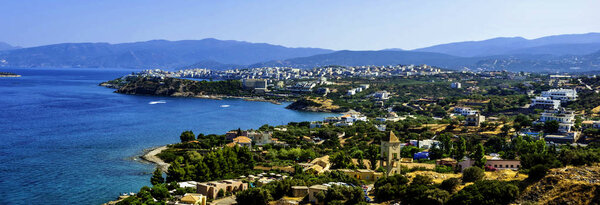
(151, 157)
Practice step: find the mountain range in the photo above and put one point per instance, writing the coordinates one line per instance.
(5, 46)
(570, 52)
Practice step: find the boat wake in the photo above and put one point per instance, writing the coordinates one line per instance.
(157, 102)
(224, 105)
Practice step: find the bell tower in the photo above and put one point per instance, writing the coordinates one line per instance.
(390, 155)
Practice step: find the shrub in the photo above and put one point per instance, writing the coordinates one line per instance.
(450, 185)
(486, 192)
(472, 174)
(537, 172)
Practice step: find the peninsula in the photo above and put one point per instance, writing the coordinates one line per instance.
(8, 75)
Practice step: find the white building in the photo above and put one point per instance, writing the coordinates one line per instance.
(565, 118)
(351, 92)
(455, 85)
(545, 103)
(563, 95)
(465, 111)
(381, 95)
(353, 118)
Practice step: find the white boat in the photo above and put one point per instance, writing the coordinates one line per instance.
(225, 105)
(157, 102)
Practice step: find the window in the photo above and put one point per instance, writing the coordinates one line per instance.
(495, 165)
(511, 166)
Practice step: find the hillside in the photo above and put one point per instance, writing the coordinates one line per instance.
(386, 57)
(151, 54)
(569, 185)
(568, 44)
(5, 46)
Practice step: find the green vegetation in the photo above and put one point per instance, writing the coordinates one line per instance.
(472, 174)
(218, 164)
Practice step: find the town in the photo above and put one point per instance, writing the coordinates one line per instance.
(415, 134)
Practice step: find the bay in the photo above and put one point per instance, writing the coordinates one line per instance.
(66, 140)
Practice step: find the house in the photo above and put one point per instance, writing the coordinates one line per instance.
(363, 174)
(424, 144)
(493, 160)
(465, 111)
(456, 85)
(566, 138)
(381, 95)
(351, 92)
(318, 165)
(381, 127)
(353, 118)
(564, 95)
(260, 137)
(474, 120)
(211, 189)
(299, 191)
(194, 199)
(565, 118)
(545, 103)
(242, 141)
(235, 133)
(446, 162)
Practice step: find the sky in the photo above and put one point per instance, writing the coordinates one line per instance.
(333, 24)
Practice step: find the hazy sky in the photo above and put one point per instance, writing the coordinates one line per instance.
(347, 24)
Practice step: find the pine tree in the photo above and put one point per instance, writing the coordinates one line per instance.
(157, 177)
(479, 156)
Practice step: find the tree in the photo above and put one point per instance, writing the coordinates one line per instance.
(486, 192)
(479, 156)
(187, 136)
(461, 148)
(157, 177)
(472, 174)
(341, 160)
(435, 196)
(372, 154)
(551, 126)
(391, 187)
(253, 196)
(537, 172)
(160, 192)
(450, 185)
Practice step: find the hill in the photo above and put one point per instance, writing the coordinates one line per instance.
(5, 46)
(385, 57)
(152, 54)
(570, 185)
(568, 44)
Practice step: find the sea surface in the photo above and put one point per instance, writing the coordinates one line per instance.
(66, 140)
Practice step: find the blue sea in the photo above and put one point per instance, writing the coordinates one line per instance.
(66, 140)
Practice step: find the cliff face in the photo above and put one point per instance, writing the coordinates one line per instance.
(570, 185)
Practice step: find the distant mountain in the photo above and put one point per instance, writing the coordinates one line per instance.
(151, 54)
(6, 47)
(347, 58)
(569, 44)
(213, 65)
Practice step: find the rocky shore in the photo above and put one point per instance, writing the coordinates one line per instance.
(151, 157)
